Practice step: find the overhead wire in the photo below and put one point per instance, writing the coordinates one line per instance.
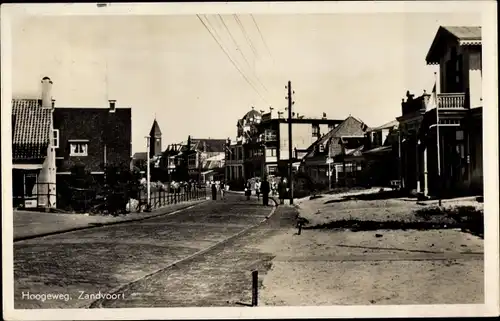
(229, 57)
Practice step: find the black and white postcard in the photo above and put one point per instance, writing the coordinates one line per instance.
(249, 160)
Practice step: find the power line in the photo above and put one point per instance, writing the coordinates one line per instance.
(262, 37)
(241, 52)
(230, 59)
(245, 34)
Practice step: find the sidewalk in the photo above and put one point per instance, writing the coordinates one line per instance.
(29, 224)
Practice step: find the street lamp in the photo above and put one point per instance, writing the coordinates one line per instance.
(148, 175)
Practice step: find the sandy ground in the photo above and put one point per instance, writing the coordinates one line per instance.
(330, 208)
(324, 267)
(386, 267)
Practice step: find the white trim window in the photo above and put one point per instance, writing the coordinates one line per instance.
(55, 135)
(270, 152)
(78, 148)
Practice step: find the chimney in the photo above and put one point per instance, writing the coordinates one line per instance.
(112, 105)
(46, 92)
(53, 103)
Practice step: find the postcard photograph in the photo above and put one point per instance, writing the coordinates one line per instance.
(249, 157)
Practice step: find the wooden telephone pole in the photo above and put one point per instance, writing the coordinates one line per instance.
(290, 160)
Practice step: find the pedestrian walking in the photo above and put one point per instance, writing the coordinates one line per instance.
(265, 188)
(248, 190)
(282, 189)
(257, 188)
(222, 189)
(214, 192)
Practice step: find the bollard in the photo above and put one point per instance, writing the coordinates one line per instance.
(255, 288)
(300, 228)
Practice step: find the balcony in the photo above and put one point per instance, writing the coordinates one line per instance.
(451, 101)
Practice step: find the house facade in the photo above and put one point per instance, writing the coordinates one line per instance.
(263, 148)
(382, 161)
(336, 153)
(442, 131)
(33, 150)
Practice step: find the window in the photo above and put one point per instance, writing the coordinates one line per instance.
(55, 133)
(270, 152)
(78, 149)
(321, 148)
(270, 135)
(272, 169)
(460, 135)
(315, 130)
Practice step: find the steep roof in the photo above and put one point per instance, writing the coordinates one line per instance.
(464, 35)
(31, 129)
(209, 145)
(351, 126)
(155, 129)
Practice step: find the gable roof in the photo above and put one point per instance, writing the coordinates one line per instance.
(209, 145)
(464, 35)
(155, 129)
(388, 125)
(32, 129)
(351, 126)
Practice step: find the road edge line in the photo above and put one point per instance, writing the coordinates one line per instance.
(96, 225)
(98, 303)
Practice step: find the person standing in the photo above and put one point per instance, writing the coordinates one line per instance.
(248, 190)
(222, 189)
(257, 188)
(214, 191)
(265, 188)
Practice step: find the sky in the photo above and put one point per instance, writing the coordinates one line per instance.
(170, 67)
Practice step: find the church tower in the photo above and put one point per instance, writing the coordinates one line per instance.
(155, 140)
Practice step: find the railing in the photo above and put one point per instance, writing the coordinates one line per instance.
(162, 198)
(451, 100)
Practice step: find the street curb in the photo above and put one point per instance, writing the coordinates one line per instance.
(95, 225)
(98, 303)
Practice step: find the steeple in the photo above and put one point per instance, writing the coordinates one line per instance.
(155, 139)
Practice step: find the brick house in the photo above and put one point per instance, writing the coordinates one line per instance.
(93, 137)
(342, 147)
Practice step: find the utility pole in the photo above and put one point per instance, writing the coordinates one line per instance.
(148, 175)
(290, 160)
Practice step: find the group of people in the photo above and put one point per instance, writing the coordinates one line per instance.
(265, 187)
(218, 186)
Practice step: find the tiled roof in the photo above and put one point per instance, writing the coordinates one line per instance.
(337, 132)
(31, 132)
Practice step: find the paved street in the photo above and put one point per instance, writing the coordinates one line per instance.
(74, 267)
